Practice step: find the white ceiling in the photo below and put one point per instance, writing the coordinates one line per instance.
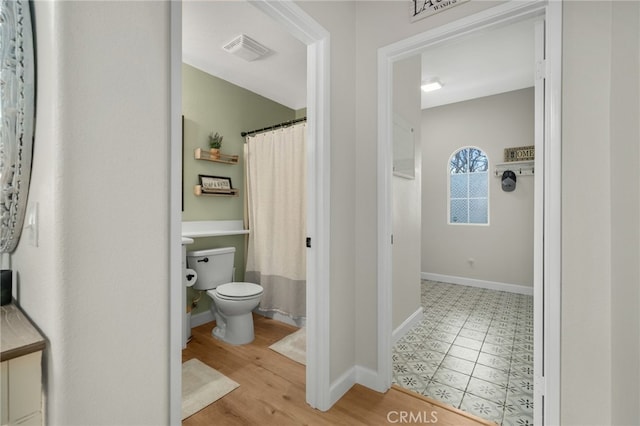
(497, 61)
(485, 64)
(208, 25)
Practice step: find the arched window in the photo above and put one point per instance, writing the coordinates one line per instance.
(469, 187)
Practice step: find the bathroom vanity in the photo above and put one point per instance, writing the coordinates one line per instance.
(21, 369)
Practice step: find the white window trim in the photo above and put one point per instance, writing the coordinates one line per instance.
(488, 197)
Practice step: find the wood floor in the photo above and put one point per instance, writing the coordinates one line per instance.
(272, 389)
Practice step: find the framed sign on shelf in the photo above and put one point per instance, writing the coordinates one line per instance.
(215, 184)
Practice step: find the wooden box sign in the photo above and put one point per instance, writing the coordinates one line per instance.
(522, 153)
(423, 8)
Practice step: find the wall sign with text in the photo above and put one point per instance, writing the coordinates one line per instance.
(522, 153)
(423, 8)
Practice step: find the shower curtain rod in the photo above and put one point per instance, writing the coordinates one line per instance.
(277, 126)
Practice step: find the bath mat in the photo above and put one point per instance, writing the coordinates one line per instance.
(293, 346)
(201, 386)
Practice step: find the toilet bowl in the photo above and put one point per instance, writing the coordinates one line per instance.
(234, 303)
(231, 302)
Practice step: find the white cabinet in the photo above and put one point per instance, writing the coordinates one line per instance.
(4, 392)
(21, 370)
(22, 390)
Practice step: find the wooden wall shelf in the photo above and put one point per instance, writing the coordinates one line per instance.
(197, 190)
(204, 154)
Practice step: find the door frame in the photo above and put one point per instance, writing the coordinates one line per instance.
(547, 261)
(176, 308)
(300, 25)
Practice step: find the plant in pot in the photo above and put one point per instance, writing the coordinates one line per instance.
(215, 142)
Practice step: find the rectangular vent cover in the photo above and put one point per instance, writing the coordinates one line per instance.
(246, 48)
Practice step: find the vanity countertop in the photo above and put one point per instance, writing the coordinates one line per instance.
(19, 336)
(213, 228)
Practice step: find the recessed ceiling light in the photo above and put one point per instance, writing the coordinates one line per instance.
(431, 85)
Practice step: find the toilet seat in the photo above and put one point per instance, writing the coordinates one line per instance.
(238, 291)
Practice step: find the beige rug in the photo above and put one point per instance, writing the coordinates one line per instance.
(201, 386)
(293, 346)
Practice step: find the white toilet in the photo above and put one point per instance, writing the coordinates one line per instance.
(232, 302)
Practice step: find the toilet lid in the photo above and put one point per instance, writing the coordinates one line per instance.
(237, 290)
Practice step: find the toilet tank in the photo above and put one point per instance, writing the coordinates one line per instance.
(213, 266)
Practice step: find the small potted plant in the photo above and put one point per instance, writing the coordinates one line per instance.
(215, 142)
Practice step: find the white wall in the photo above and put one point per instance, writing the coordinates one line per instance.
(625, 196)
(97, 284)
(102, 119)
(586, 224)
(586, 236)
(378, 23)
(625, 213)
(338, 18)
(600, 236)
(503, 250)
(406, 197)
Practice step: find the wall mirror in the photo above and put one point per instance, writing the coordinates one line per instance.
(17, 99)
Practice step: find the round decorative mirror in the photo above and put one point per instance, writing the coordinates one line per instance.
(17, 99)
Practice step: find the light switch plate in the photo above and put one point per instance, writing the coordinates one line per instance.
(31, 226)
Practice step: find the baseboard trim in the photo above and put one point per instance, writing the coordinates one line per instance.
(339, 387)
(407, 325)
(355, 375)
(201, 318)
(491, 285)
(368, 378)
(207, 316)
(277, 316)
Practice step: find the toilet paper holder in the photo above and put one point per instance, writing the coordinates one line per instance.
(191, 277)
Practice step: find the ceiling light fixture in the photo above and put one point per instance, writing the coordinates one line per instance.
(431, 85)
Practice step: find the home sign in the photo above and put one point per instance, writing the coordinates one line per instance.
(424, 8)
(522, 153)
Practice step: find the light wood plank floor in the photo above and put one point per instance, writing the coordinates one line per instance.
(272, 389)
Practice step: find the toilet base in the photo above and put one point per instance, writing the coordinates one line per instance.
(235, 330)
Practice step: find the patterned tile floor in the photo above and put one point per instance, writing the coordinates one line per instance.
(473, 350)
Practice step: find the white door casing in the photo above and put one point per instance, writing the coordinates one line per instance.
(547, 272)
(303, 27)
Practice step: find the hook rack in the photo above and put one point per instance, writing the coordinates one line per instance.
(520, 168)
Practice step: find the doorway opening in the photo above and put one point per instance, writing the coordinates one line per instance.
(295, 21)
(473, 346)
(547, 185)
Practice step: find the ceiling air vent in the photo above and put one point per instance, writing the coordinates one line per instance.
(246, 48)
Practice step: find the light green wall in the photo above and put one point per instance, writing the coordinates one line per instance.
(210, 104)
(301, 113)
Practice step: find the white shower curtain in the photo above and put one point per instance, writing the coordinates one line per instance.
(275, 167)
